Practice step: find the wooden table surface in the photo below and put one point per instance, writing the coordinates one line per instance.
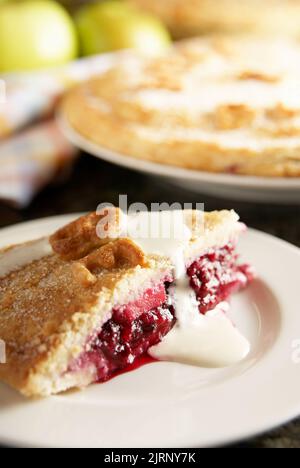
(92, 182)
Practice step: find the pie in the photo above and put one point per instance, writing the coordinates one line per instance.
(226, 105)
(192, 17)
(76, 308)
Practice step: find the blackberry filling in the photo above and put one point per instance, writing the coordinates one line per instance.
(121, 343)
(216, 275)
(137, 326)
(131, 331)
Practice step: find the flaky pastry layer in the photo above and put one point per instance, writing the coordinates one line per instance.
(50, 307)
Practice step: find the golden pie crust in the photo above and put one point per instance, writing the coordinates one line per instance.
(49, 307)
(192, 17)
(215, 104)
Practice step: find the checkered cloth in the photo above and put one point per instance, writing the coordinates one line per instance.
(31, 153)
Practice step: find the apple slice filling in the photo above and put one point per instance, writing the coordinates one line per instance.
(138, 325)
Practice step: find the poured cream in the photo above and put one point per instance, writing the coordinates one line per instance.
(21, 255)
(210, 340)
(206, 341)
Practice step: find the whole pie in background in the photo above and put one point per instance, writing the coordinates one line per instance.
(212, 104)
(192, 17)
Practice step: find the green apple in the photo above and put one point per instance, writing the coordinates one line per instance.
(35, 34)
(112, 25)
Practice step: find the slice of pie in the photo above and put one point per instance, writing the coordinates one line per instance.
(213, 104)
(77, 307)
(192, 17)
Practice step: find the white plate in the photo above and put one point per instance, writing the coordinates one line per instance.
(172, 405)
(247, 188)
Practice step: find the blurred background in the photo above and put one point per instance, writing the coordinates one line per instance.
(47, 46)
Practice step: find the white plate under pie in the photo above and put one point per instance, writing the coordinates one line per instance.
(247, 188)
(174, 405)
